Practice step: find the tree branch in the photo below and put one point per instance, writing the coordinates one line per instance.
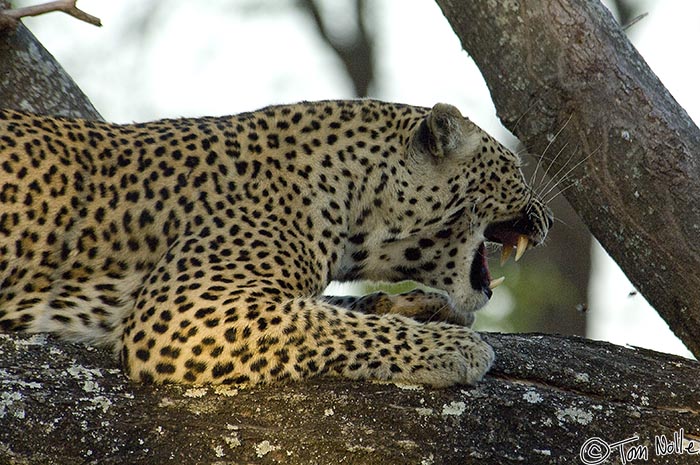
(357, 55)
(33, 81)
(10, 18)
(629, 148)
(65, 403)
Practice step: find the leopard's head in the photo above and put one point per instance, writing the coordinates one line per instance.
(459, 189)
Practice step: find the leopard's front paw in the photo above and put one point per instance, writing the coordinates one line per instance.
(458, 356)
(479, 357)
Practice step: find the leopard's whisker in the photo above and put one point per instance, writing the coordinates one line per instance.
(554, 176)
(561, 191)
(560, 221)
(533, 178)
(571, 170)
(533, 192)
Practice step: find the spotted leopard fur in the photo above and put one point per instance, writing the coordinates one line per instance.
(198, 248)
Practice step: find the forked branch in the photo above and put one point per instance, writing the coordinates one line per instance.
(9, 19)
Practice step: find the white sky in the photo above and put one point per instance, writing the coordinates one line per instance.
(213, 58)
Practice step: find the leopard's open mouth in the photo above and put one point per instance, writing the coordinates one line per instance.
(519, 235)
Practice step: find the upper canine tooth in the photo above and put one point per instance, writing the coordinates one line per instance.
(521, 247)
(506, 251)
(496, 282)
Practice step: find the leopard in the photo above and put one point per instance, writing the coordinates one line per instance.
(198, 249)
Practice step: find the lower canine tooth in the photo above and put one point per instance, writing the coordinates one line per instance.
(506, 251)
(521, 247)
(496, 282)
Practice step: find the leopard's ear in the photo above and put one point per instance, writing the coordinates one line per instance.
(443, 132)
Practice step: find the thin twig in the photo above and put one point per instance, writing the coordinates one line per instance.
(12, 17)
(634, 21)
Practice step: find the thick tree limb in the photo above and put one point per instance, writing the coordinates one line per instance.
(65, 403)
(9, 19)
(632, 150)
(32, 80)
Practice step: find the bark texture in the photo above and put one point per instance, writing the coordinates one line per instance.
(566, 67)
(32, 80)
(66, 403)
